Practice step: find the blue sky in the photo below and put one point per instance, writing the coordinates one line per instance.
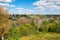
(32, 6)
(24, 3)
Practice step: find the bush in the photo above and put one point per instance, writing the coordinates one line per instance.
(14, 33)
(21, 30)
(54, 27)
(27, 29)
(50, 27)
(45, 26)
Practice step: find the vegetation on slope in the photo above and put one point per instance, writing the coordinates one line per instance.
(27, 27)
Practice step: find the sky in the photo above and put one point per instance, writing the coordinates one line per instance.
(32, 6)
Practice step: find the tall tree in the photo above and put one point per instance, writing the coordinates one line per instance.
(4, 22)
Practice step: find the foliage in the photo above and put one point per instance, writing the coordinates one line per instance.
(4, 22)
(42, 36)
(54, 27)
(45, 26)
(21, 30)
(51, 26)
(27, 26)
(14, 33)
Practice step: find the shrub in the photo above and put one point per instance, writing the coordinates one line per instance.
(54, 27)
(27, 29)
(21, 30)
(45, 26)
(14, 33)
(50, 27)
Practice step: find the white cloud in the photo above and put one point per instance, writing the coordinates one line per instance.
(22, 11)
(12, 6)
(42, 7)
(47, 6)
(2, 4)
(5, 8)
(28, 11)
(6, 5)
(19, 8)
(53, 1)
(6, 0)
(38, 3)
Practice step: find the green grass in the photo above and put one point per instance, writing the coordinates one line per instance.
(42, 36)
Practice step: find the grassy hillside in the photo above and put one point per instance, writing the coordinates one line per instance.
(42, 36)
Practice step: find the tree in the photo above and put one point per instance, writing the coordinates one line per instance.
(23, 20)
(4, 22)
